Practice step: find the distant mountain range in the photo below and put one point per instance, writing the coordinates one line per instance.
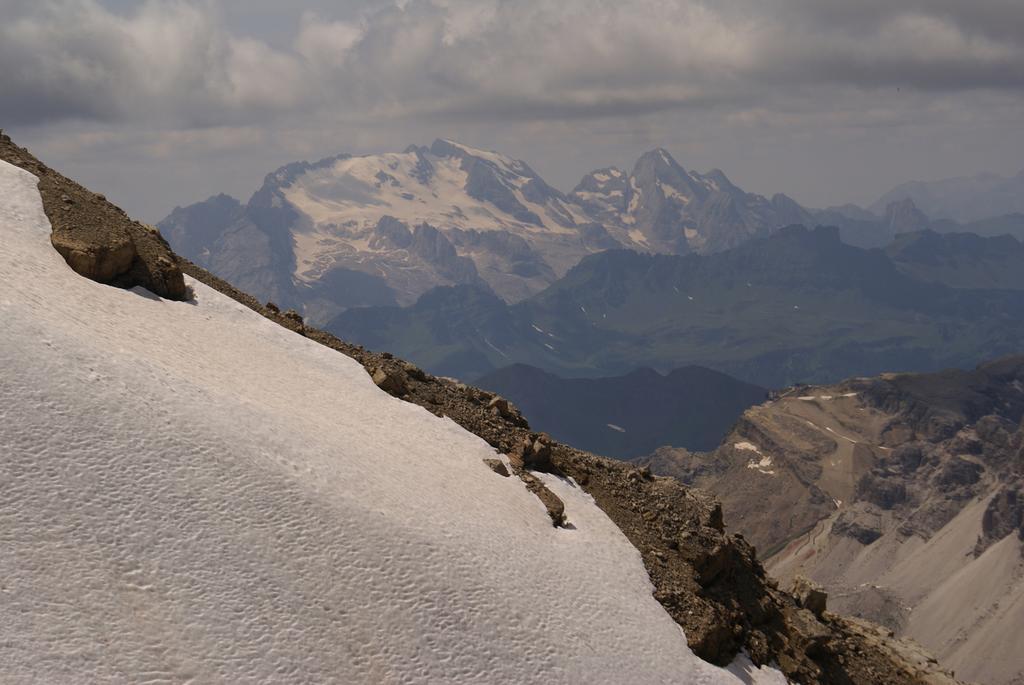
(383, 229)
(960, 260)
(631, 415)
(964, 199)
(354, 231)
(663, 208)
(799, 305)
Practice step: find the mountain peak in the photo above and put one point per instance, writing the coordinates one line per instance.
(444, 147)
(658, 157)
(903, 216)
(720, 179)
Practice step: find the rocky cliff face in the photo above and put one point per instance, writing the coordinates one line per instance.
(710, 582)
(900, 494)
(667, 209)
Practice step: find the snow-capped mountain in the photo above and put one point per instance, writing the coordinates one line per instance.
(193, 493)
(395, 223)
(383, 229)
(490, 207)
(665, 208)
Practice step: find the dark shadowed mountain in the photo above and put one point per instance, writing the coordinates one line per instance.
(630, 415)
(960, 260)
(799, 305)
(862, 228)
(1007, 224)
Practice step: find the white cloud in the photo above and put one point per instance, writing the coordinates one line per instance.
(326, 44)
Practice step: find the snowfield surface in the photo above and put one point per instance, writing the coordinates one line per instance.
(190, 493)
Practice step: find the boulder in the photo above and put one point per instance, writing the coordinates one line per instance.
(498, 406)
(498, 466)
(810, 595)
(534, 452)
(390, 382)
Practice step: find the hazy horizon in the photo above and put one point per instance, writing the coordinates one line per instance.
(161, 103)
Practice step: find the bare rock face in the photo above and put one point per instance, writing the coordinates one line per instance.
(534, 452)
(97, 239)
(391, 382)
(855, 524)
(1003, 515)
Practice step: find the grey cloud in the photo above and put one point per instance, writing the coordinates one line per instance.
(182, 63)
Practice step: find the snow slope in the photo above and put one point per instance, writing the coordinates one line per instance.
(190, 493)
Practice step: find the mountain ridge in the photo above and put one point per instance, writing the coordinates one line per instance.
(629, 415)
(310, 220)
(749, 312)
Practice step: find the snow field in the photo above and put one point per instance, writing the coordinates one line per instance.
(190, 493)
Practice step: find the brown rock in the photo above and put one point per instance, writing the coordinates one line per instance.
(498, 466)
(414, 372)
(389, 382)
(809, 595)
(498, 406)
(551, 501)
(809, 632)
(534, 452)
(101, 262)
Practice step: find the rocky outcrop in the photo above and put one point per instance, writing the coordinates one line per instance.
(97, 239)
(903, 216)
(1003, 516)
(809, 595)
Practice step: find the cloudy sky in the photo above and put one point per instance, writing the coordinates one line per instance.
(165, 102)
